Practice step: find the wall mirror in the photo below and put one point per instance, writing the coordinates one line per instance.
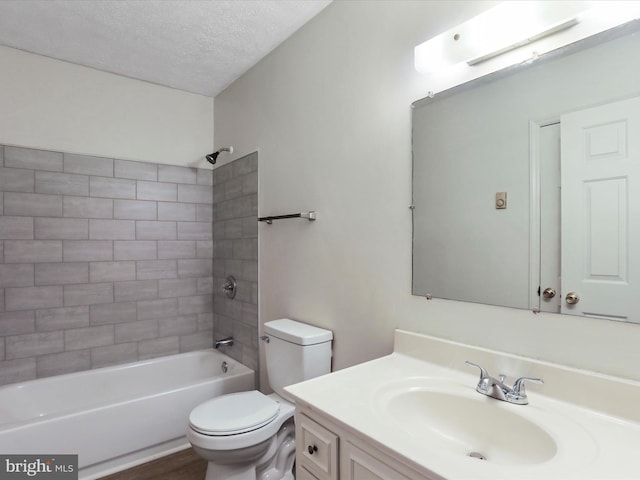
(526, 184)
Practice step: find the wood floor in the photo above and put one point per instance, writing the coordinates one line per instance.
(183, 465)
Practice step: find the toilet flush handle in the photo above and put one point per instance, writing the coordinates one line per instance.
(265, 338)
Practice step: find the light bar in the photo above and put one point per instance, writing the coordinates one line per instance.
(500, 29)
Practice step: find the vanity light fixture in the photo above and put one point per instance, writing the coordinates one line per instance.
(503, 28)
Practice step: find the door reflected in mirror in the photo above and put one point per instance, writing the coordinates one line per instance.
(558, 137)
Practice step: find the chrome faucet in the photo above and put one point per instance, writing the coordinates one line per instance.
(225, 342)
(496, 388)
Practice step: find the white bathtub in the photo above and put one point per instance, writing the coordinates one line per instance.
(115, 417)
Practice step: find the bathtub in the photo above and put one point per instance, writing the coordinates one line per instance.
(115, 417)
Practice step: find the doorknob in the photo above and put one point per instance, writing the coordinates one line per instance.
(549, 292)
(572, 298)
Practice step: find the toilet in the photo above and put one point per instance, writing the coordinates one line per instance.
(249, 435)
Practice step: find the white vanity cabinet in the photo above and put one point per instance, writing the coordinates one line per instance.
(405, 416)
(327, 451)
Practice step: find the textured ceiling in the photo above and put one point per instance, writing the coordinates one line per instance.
(199, 46)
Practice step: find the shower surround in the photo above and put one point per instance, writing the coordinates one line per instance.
(102, 261)
(235, 252)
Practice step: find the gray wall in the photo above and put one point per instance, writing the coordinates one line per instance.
(102, 261)
(235, 252)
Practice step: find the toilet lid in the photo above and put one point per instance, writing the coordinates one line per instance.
(234, 413)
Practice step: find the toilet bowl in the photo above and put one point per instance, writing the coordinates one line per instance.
(249, 435)
(244, 435)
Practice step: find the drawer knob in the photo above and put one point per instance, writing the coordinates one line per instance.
(312, 449)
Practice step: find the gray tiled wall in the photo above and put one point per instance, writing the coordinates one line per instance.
(235, 252)
(105, 261)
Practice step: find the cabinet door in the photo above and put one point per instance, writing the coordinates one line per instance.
(359, 465)
(316, 448)
(304, 474)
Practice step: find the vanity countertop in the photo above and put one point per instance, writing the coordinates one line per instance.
(590, 422)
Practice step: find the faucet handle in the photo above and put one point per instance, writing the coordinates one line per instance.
(518, 387)
(484, 383)
(483, 372)
(517, 395)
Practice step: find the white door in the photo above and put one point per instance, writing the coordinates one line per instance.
(601, 211)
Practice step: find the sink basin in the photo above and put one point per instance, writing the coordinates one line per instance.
(454, 418)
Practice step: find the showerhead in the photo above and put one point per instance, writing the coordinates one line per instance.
(212, 157)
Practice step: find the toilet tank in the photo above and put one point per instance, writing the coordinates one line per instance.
(295, 352)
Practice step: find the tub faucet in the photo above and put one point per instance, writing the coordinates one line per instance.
(496, 388)
(224, 342)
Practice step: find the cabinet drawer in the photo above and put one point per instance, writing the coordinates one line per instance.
(317, 449)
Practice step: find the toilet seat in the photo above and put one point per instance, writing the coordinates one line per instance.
(247, 439)
(234, 414)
